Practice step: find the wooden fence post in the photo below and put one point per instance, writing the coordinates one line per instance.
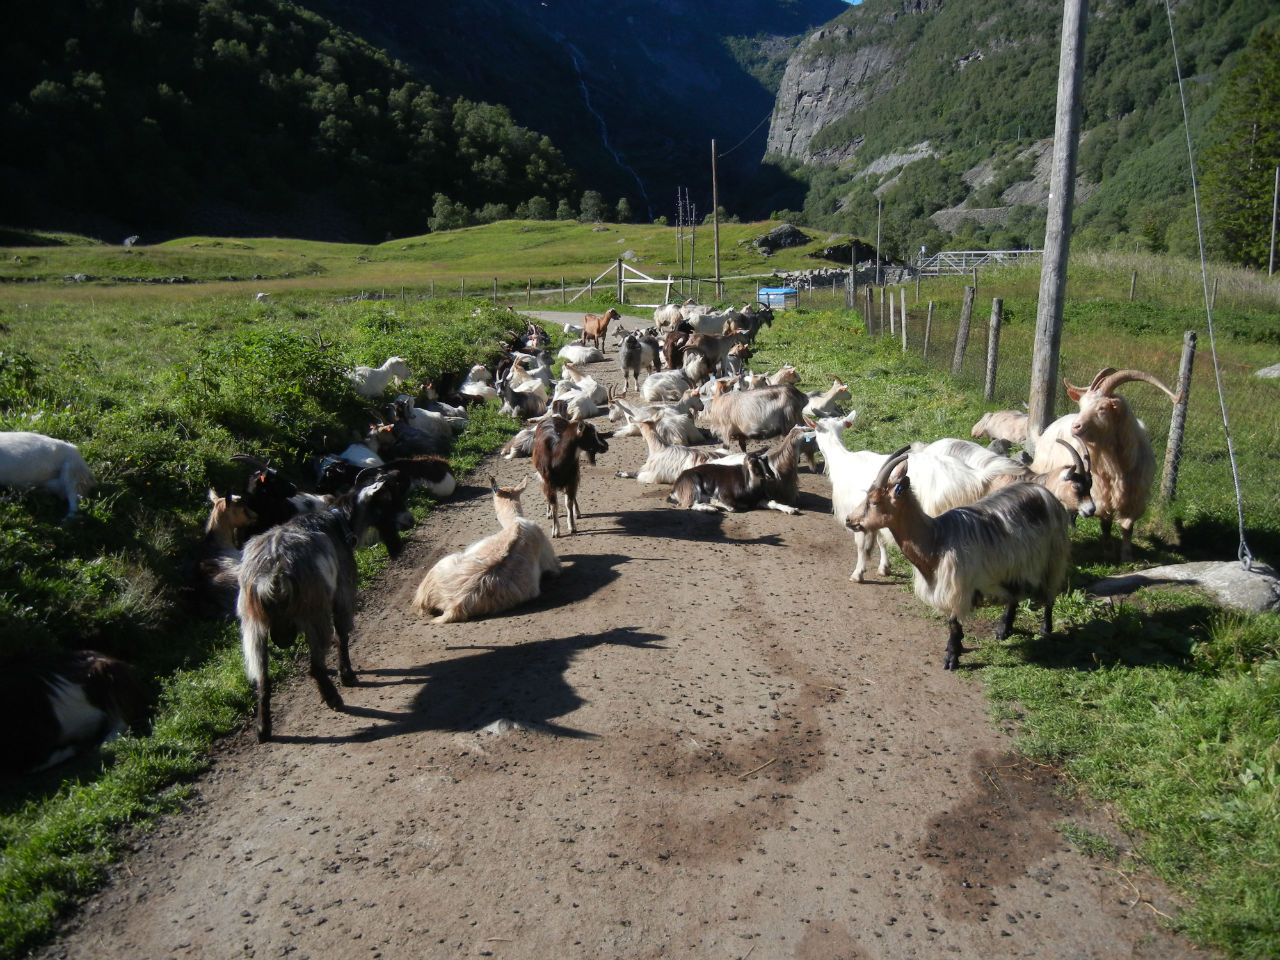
(881, 317)
(928, 329)
(867, 306)
(1133, 285)
(620, 300)
(902, 312)
(893, 325)
(495, 289)
(1178, 422)
(562, 299)
(433, 289)
(962, 333)
(528, 293)
(993, 347)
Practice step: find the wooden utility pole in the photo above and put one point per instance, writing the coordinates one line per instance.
(879, 211)
(1057, 238)
(1275, 202)
(715, 219)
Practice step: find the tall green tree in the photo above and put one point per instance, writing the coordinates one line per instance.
(1240, 170)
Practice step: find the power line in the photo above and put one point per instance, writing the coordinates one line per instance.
(747, 137)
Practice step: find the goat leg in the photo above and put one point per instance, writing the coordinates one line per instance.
(263, 724)
(1046, 625)
(345, 672)
(954, 647)
(318, 646)
(1005, 626)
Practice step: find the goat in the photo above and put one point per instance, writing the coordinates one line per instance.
(524, 403)
(370, 382)
(1010, 425)
(575, 401)
(629, 358)
(666, 461)
(666, 385)
(714, 348)
(1119, 451)
(494, 574)
(556, 444)
(300, 577)
(1009, 546)
(760, 414)
(851, 473)
(595, 327)
(784, 374)
(782, 485)
(673, 423)
(273, 497)
(478, 384)
(580, 353)
(30, 460)
(669, 314)
(596, 390)
(722, 486)
(61, 704)
(673, 345)
(822, 403)
(218, 556)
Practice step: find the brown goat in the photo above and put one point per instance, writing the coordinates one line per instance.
(595, 327)
(556, 444)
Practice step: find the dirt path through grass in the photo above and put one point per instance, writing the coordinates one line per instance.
(702, 741)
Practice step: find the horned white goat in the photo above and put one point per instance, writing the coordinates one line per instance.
(1118, 448)
(499, 572)
(666, 461)
(673, 423)
(370, 382)
(851, 473)
(669, 314)
(31, 460)
(1007, 547)
(585, 381)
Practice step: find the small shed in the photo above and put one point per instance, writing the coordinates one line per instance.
(779, 298)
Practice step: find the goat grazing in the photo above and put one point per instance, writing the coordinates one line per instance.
(595, 327)
(1119, 451)
(61, 704)
(29, 460)
(710, 487)
(497, 573)
(556, 444)
(370, 382)
(759, 414)
(1011, 545)
(300, 577)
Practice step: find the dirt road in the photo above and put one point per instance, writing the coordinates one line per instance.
(702, 741)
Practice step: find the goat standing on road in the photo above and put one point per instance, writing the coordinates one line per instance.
(556, 444)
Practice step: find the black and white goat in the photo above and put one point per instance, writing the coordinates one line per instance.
(300, 577)
(1009, 546)
(731, 487)
(61, 704)
(499, 572)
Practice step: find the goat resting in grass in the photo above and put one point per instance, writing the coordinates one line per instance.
(1011, 545)
(29, 460)
(502, 571)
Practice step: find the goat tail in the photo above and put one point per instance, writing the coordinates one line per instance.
(255, 631)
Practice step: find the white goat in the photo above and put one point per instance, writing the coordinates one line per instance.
(370, 382)
(822, 403)
(497, 573)
(673, 422)
(1009, 546)
(851, 474)
(478, 383)
(1008, 425)
(30, 460)
(1118, 448)
(580, 353)
(666, 461)
(585, 381)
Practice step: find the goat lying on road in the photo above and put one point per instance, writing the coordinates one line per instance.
(497, 573)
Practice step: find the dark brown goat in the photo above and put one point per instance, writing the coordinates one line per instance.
(556, 444)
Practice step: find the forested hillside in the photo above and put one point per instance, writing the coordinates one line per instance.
(960, 91)
(166, 116)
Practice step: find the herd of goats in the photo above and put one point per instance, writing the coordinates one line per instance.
(977, 525)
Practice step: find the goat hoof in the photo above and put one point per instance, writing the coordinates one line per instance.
(951, 661)
(348, 678)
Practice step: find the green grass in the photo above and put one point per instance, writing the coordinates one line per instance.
(1159, 704)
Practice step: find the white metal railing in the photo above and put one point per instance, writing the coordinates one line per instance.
(951, 262)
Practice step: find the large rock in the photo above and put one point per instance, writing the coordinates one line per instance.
(1252, 591)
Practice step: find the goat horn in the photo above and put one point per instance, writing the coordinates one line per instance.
(1104, 372)
(895, 458)
(1075, 455)
(1116, 377)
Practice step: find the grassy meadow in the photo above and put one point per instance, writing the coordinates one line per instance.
(1161, 705)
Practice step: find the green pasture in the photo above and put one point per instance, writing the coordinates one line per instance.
(1160, 705)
